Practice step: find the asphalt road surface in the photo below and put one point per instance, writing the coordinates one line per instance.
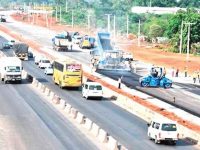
(130, 130)
(28, 123)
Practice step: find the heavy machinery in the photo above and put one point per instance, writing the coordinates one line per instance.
(106, 57)
(156, 79)
(62, 42)
(21, 50)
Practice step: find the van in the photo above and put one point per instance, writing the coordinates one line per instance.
(163, 130)
(92, 90)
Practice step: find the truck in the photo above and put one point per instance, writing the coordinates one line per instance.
(2, 18)
(62, 42)
(21, 50)
(10, 69)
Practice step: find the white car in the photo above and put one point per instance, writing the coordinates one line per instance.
(163, 130)
(92, 90)
(48, 70)
(44, 63)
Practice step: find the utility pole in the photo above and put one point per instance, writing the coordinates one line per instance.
(188, 39)
(56, 13)
(139, 33)
(181, 38)
(108, 25)
(89, 21)
(24, 6)
(43, 6)
(66, 4)
(127, 26)
(72, 19)
(114, 28)
(47, 22)
(60, 14)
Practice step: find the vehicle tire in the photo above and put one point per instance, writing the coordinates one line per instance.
(156, 140)
(173, 142)
(5, 81)
(60, 85)
(149, 136)
(144, 84)
(167, 85)
(86, 97)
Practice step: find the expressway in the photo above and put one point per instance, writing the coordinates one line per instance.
(28, 123)
(130, 130)
(183, 100)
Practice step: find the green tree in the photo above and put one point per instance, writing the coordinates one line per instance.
(155, 31)
(174, 27)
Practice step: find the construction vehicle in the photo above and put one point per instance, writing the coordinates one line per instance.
(62, 42)
(156, 79)
(84, 42)
(10, 69)
(2, 18)
(21, 50)
(106, 56)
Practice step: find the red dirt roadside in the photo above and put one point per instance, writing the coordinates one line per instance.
(149, 55)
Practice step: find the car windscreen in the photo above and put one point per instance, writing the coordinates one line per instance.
(95, 87)
(13, 69)
(45, 61)
(168, 127)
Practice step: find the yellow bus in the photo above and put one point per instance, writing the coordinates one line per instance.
(67, 73)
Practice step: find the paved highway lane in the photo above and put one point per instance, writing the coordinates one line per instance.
(28, 123)
(124, 126)
(183, 100)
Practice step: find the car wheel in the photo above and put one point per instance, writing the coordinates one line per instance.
(167, 85)
(149, 136)
(60, 85)
(5, 81)
(173, 142)
(156, 140)
(144, 84)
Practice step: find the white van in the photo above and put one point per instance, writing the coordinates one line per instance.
(163, 130)
(92, 90)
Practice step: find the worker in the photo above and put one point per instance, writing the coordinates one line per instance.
(195, 76)
(164, 72)
(119, 82)
(185, 71)
(198, 75)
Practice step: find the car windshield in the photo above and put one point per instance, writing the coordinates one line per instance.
(95, 87)
(13, 69)
(169, 127)
(45, 61)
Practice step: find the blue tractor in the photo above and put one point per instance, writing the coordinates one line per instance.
(156, 79)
